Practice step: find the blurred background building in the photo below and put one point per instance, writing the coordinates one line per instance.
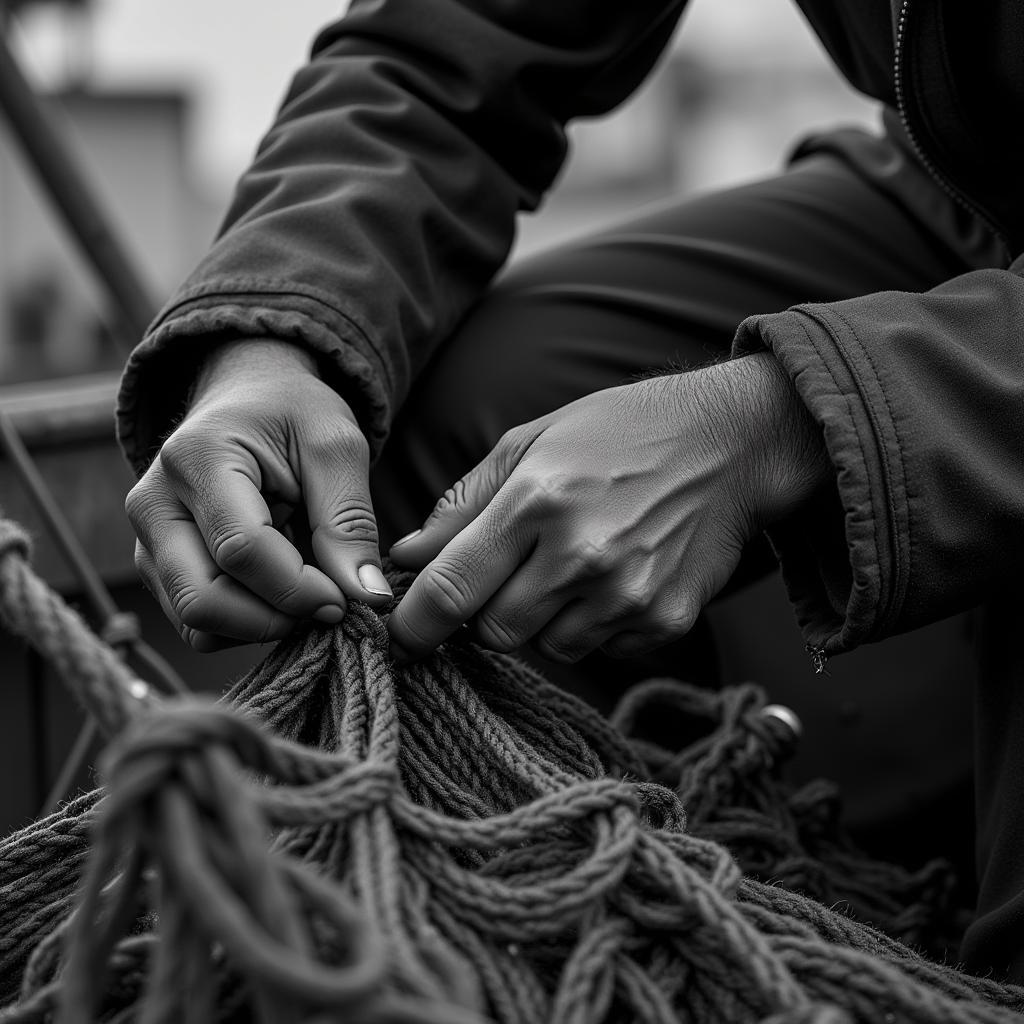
(166, 99)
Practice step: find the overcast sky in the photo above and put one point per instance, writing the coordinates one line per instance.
(237, 56)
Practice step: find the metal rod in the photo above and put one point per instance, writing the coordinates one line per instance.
(35, 668)
(103, 605)
(157, 666)
(58, 168)
(94, 588)
(70, 768)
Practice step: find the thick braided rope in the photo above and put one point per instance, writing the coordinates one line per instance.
(31, 610)
(462, 843)
(722, 761)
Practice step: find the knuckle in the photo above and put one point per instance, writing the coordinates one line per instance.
(136, 502)
(633, 599)
(193, 637)
(513, 444)
(545, 493)
(408, 629)
(190, 608)
(355, 523)
(593, 555)
(632, 645)
(341, 441)
(496, 634)
(146, 502)
(285, 597)
(677, 620)
(455, 497)
(234, 551)
(511, 440)
(560, 649)
(445, 592)
(201, 642)
(448, 500)
(181, 452)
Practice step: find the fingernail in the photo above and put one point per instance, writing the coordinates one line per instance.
(331, 614)
(373, 580)
(408, 536)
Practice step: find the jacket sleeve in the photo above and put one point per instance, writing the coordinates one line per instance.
(383, 199)
(921, 401)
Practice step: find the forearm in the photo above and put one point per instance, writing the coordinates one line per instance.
(384, 197)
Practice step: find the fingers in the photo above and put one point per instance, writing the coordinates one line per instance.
(519, 610)
(513, 583)
(572, 634)
(208, 609)
(222, 574)
(564, 619)
(236, 525)
(470, 545)
(543, 542)
(456, 584)
(209, 519)
(264, 428)
(344, 529)
(465, 499)
(632, 644)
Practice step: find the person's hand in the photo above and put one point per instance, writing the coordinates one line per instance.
(610, 522)
(263, 432)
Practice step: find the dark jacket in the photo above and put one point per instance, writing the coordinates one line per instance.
(384, 199)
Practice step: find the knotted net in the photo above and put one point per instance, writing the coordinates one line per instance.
(457, 842)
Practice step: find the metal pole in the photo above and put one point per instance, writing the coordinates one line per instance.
(94, 588)
(58, 169)
(103, 605)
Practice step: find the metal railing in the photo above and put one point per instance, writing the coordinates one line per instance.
(57, 168)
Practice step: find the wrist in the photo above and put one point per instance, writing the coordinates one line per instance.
(247, 359)
(262, 370)
(784, 460)
(245, 355)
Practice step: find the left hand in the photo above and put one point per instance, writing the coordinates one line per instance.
(612, 521)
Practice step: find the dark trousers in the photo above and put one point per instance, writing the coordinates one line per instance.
(852, 214)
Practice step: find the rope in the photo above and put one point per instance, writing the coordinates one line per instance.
(92, 671)
(458, 842)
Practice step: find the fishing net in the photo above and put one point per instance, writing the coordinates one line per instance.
(453, 842)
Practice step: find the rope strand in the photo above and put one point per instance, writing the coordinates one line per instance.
(459, 843)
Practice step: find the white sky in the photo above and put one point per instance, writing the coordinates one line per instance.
(237, 56)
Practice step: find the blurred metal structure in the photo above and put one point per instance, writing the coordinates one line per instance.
(15, 5)
(57, 168)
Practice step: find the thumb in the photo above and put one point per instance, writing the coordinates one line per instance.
(335, 484)
(464, 500)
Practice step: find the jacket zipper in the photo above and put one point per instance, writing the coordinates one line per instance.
(925, 160)
(818, 654)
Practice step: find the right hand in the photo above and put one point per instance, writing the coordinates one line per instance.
(263, 430)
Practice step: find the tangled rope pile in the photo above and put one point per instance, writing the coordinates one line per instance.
(460, 843)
